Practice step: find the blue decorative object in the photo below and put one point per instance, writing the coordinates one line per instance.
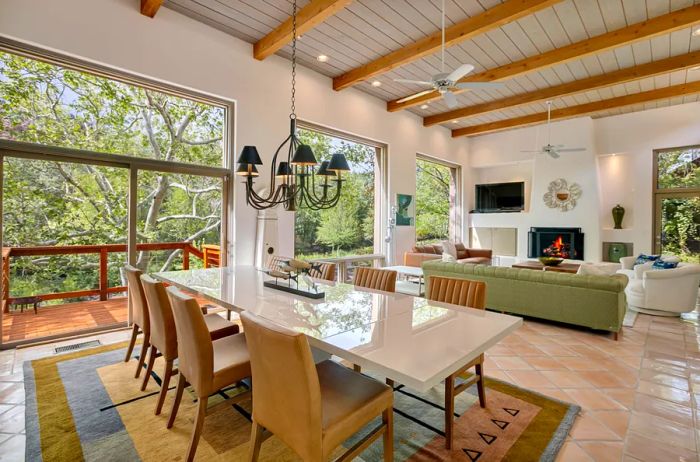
(642, 259)
(661, 264)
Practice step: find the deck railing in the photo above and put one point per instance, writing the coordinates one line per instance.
(103, 250)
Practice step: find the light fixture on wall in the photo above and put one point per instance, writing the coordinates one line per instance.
(294, 182)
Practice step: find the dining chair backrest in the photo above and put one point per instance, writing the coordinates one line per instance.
(275, 261)
(323, 270)
(462, 292)
(163, 334)
(286, 389)
(194, 347)
(139, 307)
(375, 278)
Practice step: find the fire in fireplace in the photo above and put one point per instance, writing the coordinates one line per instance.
(555, 242)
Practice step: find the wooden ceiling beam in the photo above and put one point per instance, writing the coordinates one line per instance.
(506, 12)
(313, 14)
(581, 110)
(659, 25)
(654, 68)
(150, 7)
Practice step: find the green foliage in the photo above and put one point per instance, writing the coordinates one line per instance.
(679, 169)
(433, 185)
(60, 204)
(347, 228)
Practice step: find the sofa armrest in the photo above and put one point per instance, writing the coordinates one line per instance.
(417, 259)
(627, 262)
(640, 270)
(480, 253)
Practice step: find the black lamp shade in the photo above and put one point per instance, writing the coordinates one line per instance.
(247, 170)
(338, 163)
(249, 155)
(323, 170)
(283, 170)
(304, 156)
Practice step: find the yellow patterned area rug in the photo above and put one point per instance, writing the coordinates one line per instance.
(87, 405)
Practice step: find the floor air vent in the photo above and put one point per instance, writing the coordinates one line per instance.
(77, 346)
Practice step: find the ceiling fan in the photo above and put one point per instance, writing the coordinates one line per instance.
(553, 150)
(445, 83)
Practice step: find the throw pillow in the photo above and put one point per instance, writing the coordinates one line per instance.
(664, 264)
(642, 258)
(450, 249)
(446, 257)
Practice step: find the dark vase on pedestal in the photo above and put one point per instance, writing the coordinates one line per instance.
(618, 213)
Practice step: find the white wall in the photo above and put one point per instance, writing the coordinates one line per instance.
(625, 178)
(178, 50)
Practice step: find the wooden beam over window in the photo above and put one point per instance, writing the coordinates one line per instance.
(506, 12)
(660, 25)
(313, 14)
(150, 7)
(581, 110)
(628, 74)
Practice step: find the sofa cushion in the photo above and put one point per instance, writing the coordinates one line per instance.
(424, 249)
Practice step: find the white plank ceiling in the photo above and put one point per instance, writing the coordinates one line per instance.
(368, 29)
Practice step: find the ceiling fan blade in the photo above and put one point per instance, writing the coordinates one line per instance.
(414, 96)
(414, 82)
(479, 85)
(571, 149)
(450, 99)
(460, 72)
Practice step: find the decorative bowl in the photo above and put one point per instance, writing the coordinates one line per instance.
(551, 261)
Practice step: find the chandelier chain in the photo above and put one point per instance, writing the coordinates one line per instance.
(293, 115)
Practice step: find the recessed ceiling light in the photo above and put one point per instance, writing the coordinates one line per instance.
(696, 32)
(322, 58)
(376, 83)
(425, 106)
(455, 121)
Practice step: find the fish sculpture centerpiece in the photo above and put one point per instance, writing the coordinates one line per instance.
(287, 275)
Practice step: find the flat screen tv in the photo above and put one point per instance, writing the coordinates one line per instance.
(500, 197)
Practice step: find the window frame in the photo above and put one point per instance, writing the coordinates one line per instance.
(381, 178)
(456, 225)
(133, 164)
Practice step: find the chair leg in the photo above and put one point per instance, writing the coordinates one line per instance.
(256, 439)
(356, 368)
(164, 385)
(197, 430)
(388, 420)
(480, 384)
(142, 355)
(449, 410)
(132, 342)
(151, 361)
(178, 397)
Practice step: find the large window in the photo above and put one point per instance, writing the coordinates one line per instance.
(348, 228)
(677, 202)
(109, 169)
(436, 197)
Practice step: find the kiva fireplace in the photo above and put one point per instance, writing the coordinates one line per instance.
(570, 239)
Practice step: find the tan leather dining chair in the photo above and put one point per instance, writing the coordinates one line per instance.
(323, 270)
(311, 407)
(375, 278)
(164, 337)
(139, 313)
(470, 294)
(209, 366)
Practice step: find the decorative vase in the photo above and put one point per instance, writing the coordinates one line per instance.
(551, 261)
(618, 213)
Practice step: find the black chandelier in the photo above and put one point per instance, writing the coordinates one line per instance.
(294, 182)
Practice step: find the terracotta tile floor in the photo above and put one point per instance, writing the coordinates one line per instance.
(60, 319)
(640, 396)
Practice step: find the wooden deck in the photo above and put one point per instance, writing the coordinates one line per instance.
(63, 319)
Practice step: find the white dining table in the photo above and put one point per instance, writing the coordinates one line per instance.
(410, 340)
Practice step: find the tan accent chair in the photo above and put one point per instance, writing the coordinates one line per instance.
(311, 407)
(209, 366)
(375, 278)
(470, 294)
(140, 319)
(163, 335)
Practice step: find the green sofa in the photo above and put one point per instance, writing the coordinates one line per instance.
(591, 301)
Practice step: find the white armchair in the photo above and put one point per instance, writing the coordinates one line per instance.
(667, 292)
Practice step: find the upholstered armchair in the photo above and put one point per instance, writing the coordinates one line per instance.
(665, 292)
